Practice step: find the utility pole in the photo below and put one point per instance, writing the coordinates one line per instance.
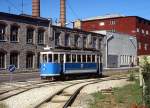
(9, 9)
(22, 7)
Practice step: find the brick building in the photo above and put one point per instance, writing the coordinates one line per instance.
(23, 37)
(132, 25)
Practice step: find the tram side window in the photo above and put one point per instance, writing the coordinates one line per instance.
(50, 58)
(88, 58)
(97, 59)
(44, 57)
(83, 58)
(61, 58)
(79, 58)
(68, 58)
(56, 58)
(93, 58)
(73, 58)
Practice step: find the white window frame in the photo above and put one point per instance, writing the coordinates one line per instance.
(112, 22)
(145, 46)
(137, 30)
(147, 32)
(143, 31)
(139, 45)
(101, 23)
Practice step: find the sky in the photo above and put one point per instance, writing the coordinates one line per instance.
(80, 9)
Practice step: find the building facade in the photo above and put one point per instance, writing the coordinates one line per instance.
(132, 25)
(23, 37)
(120, 50)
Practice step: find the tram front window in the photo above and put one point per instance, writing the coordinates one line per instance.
(50, 58)
(44, 58)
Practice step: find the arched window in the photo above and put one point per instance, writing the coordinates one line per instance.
(94, 42)
(30, 35)
(2, 32)
(2, 60)
(67, 40)
(57, 38)
(40, 37)
(14, 59)
(84, 42)
(14, 33)
(76, 40)
(30, 60)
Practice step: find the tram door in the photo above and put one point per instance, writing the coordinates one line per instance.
(61, 62)
(99, 64)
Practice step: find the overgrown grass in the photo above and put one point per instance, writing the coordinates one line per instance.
(129, 94)
(3, 105)
(132, 75)
(97, 97)
(122, 97)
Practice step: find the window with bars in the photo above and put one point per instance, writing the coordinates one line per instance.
(84, 42)
(14, 59)
(94, 43)
(67, 40)
(14, 34)
(57, 40)
(30, 33)
(2, 32)
(29, 60)
(40, 37)
(2, 60)
(76, 40)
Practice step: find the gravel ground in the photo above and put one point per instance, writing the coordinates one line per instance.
(31, 98)
(84, 97)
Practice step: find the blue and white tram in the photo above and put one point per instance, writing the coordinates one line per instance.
(64, 63)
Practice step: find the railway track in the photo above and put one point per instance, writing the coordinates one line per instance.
(61, 98)
(65, 97)
(18, 89)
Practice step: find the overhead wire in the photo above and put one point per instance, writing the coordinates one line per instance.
(69, 6)
(13, 5)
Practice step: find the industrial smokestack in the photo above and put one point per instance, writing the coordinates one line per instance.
(36, 8)
(63, 12)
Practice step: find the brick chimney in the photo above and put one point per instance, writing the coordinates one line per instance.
(63, 12)
(36, 8)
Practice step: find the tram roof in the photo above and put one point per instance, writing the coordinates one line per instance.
(70, 51)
